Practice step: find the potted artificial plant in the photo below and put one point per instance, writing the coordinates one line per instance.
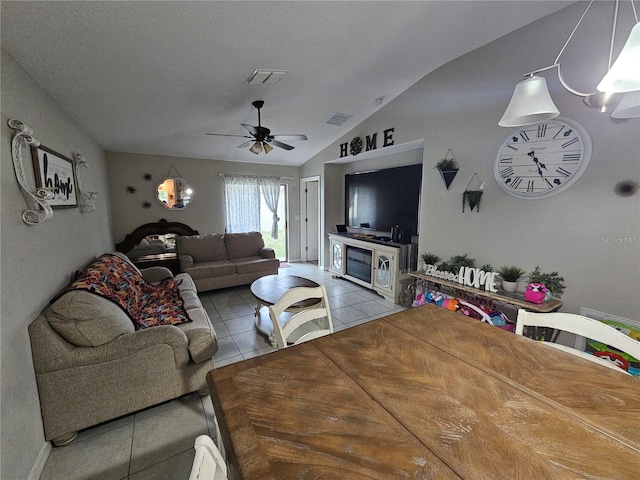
(454, 264)
(553, 281)
(510, 275)
(429, 259)
(448, 168)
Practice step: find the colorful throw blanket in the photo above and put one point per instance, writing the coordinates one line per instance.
(147, 305)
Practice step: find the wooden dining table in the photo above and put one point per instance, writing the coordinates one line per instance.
(426, 394)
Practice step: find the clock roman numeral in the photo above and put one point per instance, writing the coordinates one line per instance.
(562, 171)
(548, 183)
(524, 136)
(516, 182)
(558, 132)
(530, 186)
(512, 147)
(506, 160)
(542, 130)
(506, 172)
(571, 157)
(570, 142)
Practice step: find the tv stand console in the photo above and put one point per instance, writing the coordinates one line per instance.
(367, 262)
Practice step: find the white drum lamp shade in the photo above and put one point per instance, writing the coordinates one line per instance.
(629, 106)
(530, 104)
(624, 75)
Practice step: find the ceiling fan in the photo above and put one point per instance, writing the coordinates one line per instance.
(261, 136)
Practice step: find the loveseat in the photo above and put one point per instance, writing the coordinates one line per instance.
(225, 260)
(118, 340)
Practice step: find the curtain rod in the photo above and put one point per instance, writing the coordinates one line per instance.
(249, 175)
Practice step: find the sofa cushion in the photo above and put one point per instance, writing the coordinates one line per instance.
(87, 320)
(212, 269)
(241, 245)
(255, 264)
(203, 248)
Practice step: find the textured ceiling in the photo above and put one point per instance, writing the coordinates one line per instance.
(155, 77)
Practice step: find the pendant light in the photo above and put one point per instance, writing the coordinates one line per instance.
(629, 106)
(531, 102)
(624, 75)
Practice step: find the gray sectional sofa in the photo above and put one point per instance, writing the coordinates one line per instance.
(94, 363)
(225, 260)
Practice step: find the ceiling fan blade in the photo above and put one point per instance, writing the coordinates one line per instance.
(228, 135)
(276, 143)
(288, 136)
(247, 143)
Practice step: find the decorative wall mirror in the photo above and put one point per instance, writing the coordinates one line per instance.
(174, 193)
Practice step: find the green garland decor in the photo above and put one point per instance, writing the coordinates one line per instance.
(356, 146)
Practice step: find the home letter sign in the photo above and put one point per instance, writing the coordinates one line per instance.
(470, 277)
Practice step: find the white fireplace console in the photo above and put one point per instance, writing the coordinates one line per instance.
(374, 265)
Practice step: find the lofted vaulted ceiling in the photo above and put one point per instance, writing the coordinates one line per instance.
(155, 76)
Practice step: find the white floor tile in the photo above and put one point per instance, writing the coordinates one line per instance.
(105, 456)
(166, 434)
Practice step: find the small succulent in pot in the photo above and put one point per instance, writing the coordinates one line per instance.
(447, 164)
(510, 273)
(430, 258)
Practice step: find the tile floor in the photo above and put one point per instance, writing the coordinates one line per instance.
(157, 443)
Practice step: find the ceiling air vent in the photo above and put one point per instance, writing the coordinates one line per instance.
(338, 119)
(265, 77)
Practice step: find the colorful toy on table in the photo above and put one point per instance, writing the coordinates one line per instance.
(536, 293)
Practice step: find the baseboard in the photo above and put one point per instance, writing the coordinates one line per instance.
(38, 467)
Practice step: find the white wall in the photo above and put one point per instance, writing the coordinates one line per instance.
(586, 233)
(205, 213)
(37, 261)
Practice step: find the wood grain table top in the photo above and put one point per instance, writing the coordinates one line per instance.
(426, 393)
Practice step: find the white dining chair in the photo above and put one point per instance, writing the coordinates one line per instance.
(583, 326)
(287, 318)
(208, 463)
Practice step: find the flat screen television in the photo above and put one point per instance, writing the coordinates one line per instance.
(384, 198)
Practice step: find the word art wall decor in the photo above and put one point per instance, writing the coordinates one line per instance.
(56, 172)
(371, 142)
(471, 277)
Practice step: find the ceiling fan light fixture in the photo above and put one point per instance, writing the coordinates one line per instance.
(256, 148)
(267, 147)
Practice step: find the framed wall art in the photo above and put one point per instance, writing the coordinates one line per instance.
(55, 171)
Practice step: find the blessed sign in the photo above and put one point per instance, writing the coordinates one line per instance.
(471, 277)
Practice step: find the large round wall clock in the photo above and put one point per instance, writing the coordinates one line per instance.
(538, 161)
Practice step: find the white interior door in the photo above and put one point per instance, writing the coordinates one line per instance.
(312, 220)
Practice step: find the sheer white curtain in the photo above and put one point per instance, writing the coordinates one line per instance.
(271, 194)
(242, 202)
